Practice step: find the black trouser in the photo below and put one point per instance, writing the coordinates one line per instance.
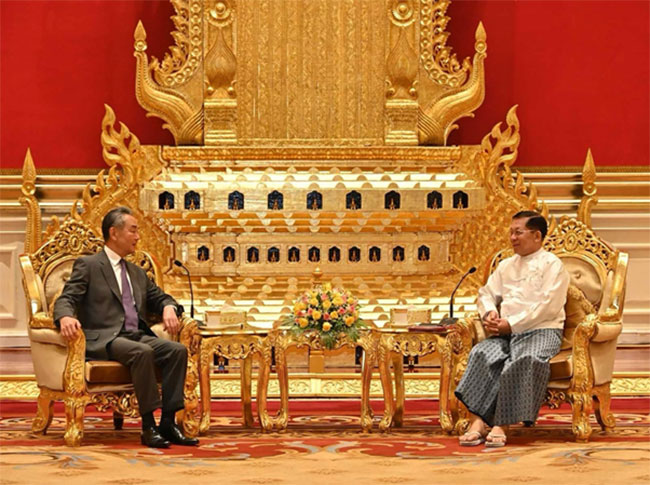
(142, 353)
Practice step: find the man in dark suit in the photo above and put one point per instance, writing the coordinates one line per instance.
(109, 298)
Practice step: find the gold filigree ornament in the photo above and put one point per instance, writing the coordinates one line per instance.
(448, 89)
(506, 193)
(402, 12)
(220, 13)
(175, 92)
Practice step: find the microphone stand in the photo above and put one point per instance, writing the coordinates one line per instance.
(189, 280)
(450, 320)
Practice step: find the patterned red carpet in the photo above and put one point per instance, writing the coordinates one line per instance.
(324, 445)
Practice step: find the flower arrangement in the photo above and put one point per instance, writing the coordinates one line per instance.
(332, 312)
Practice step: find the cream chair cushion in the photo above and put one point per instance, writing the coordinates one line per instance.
(585, 277)
(49, 356)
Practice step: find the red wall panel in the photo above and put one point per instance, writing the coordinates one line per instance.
(579, 71)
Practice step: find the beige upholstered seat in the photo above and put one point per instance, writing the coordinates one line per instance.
(582, 371)
(62, 373)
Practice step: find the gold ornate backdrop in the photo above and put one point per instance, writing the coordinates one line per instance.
(310, 137)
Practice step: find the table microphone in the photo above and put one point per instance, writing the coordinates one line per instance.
(450, 320)
(189, 280)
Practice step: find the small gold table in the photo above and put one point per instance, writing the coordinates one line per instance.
(453, 347)
(284, 338)
(241, 345)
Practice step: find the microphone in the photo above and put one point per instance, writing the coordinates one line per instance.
(189, 280)
(450, 320)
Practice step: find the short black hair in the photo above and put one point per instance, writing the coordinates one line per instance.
(114, 218)
(535, 222)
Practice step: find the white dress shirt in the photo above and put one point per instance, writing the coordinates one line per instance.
(530, 289)
(115, 259)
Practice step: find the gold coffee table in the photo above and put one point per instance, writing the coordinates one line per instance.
(453, 346)
(240, 345)
(284, 339)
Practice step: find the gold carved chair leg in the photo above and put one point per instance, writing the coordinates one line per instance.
(44, 414)
(74, 420)
(205, 356)
(246, 376)
(266, 423)
(398, 369)
(601, 407)
(581, 409)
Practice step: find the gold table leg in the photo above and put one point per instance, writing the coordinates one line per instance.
(367, 364)
(398, 369)
(266, 423)
(386, 384)
(282, 419)
(446, 363)
(246, 377)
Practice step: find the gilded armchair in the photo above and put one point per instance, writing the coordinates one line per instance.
(62, 372)
(581, 372)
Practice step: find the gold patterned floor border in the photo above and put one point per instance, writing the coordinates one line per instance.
(421, 385)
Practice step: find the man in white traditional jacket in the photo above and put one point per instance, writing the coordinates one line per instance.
(522, 311)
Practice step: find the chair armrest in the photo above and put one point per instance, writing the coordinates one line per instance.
(42, 320)
(74, 376)
(614, 311)
(185, 323)
(606, 331)
(47, 336)
(592, 329)
(189, 333)
(474, 324)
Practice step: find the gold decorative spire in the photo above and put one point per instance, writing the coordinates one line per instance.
(29, 200)
(589, 198)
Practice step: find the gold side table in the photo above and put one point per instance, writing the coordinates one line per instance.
(239, 345)
(453, 346)
(284, 339)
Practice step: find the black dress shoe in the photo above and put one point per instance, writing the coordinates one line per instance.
(151, 437)
(173, 434)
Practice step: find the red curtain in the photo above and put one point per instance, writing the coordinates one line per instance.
(579, 71)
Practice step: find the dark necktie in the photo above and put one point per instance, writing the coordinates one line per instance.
(130, 313)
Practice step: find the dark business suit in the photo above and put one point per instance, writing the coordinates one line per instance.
(93, 296)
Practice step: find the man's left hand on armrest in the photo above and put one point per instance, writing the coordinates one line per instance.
(170, 320)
